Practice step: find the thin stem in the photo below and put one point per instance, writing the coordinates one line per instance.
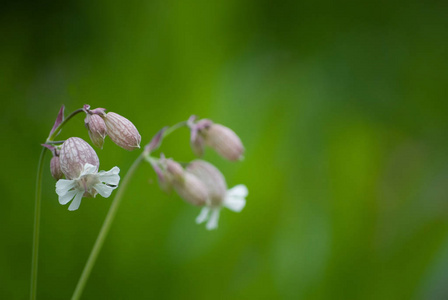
(105, 230)
(174, 128)
(111, 216)
(56, 131)
(36, 225)
(37, 206)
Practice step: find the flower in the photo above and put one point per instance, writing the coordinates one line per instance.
(74, 154)
(235, 200)
(188, 186)
(87, 184)
(216, 136)
(219, 196)
(121, 131)
(96, 128)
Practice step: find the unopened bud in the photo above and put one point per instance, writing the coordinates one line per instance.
(55, 168)
(224, 141)
(197, 139)
(175, 169)
(75, 153)
(192, 190)
(122, 131)
(97, 129)
(211, 177)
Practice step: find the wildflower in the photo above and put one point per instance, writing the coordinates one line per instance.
(87, 184)
(80, 163)
(218, 137)
(233, 199)
(96, 128)
(122, 131)
(55, 168)
(188, 186)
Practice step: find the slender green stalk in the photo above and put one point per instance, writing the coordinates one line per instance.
(37, 206)
(173, 128)
(56, 131)
(111, 216)
(36, 225)
(105, 229)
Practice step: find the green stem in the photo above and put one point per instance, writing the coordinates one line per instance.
(37, 206)
(36, 225)
(174, 128)
(111, 215)
(104, 230)
(56, 131)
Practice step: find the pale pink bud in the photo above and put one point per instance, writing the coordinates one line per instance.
(191, 189)
(211, 177)
(96, 128)
(75, 153)
(188, 186)
(218, 137)
(55, 168)
(197, 139)
(224, 141)
(174, 169)
(122, 131)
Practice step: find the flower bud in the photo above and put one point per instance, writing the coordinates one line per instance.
(75, 153)
(188, 186)
(55, 168)
(211, 177)
(191, 189)
(197, 139)
(224, 141)
(97, 129)
(174, 169)
(122, 131)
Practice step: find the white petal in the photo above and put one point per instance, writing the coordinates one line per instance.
(234, 203)
(89, 169)
(110, 177)
(213, 221)
(203, 216)
(63, 186)
(103, 189)
(239, 191)
(77, 201)
(64, 199)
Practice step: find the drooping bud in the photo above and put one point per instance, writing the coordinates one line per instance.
(211, 177)
(96, 128)
(224, 141)
(218, 137)
(174, 169)
(55, 168)
(75, 153)
(163, 178)
(188, 186)
(192, 190)
(197, 139)
(122, 131)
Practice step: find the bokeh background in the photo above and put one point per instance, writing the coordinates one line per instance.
(342, 107)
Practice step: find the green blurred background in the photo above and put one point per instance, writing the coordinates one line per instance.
(342, 107)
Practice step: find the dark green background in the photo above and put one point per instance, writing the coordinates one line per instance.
(342, 107)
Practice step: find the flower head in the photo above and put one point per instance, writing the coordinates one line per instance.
(122, 131)
(74, 155)
(218, 137)
(188, 186)
(233, 199)
(96, 128)
(89, 183)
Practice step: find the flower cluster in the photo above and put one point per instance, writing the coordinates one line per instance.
(199, 182)
(78, 162)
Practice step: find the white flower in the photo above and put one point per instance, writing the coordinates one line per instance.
(88, 184)
(235, 199)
